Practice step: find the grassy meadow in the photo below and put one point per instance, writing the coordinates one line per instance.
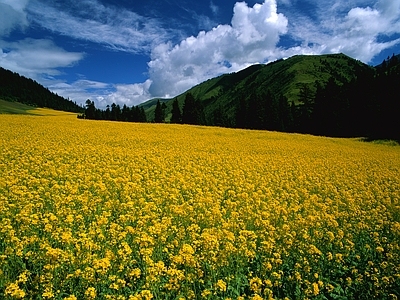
(7, 107)
(108, 210)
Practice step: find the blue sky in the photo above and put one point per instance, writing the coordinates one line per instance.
(127, 51)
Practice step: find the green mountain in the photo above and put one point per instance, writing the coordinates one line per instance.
(17, 88)
(283, 77)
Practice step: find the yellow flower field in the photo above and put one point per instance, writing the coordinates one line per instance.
(107, 210)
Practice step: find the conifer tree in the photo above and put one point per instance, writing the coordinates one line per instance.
(158, 113)
(176, 112)
(189, 115)
(90, 111)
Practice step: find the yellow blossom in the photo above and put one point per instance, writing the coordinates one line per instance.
(97, 209)
(14, 291)
(221, 285)
(90, 293)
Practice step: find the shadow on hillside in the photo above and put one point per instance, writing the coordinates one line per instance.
(388, 142)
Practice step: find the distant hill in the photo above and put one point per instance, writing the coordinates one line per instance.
(151, 104)
(17, 88)
(332, 95)
(284, 77)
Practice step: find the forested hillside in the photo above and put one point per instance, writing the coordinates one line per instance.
(17, 88)
(332, 95)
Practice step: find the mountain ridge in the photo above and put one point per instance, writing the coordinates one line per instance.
(331, 94)
(284, 76)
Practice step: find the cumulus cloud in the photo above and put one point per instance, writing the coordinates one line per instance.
(357, 34)
(255, 32)
(36, 57)
(129, 94)
(13, 15)
(251, 38)
(359, 28)
(355, 31)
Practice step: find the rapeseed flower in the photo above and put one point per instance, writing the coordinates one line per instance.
(140, 211)
(13, 290)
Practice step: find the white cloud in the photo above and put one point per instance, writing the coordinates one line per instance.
(12, 15)
(116, 28)
(355, 31)
(84, 89)
(352, 27)
(80, 90)
(251, 38)
(129, 94)
(359, 28)
(36, 58)
(390, 9)
(102, 93)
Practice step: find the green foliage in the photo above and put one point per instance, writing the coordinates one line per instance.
(159, 113)
(192, 112)
(176, 113)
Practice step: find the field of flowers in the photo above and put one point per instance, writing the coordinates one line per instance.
(107, 210)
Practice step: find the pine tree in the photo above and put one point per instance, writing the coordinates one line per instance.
(241, 114)
(142, 115)
(189, 115)
(158, 113)
(176, 112)
(90, 111)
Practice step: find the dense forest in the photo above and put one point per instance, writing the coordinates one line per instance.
(368, 106)
(17, 88)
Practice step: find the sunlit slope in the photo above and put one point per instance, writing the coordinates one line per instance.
(283, 77)
(7, 107)
(156, 211)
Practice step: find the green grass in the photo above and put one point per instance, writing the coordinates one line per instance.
(381, 142)
(16, 108)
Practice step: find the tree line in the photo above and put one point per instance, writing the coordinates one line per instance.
(114, 113)
(367, 106)
(192, 112)
(17, 88)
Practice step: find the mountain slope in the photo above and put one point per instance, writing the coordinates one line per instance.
(17, 108)
(283, 77)
(17, 88)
